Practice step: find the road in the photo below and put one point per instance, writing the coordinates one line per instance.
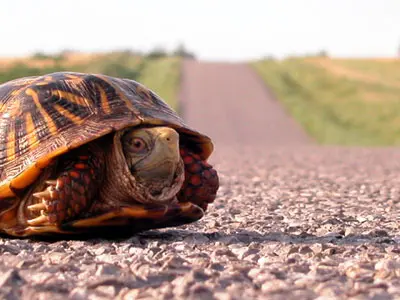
(232, 104)
(292, 220)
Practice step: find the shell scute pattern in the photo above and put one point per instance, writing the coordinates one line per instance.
(150, 106)
(42, 117)
(38, 118)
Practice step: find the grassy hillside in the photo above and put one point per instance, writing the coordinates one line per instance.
(159, 74)
(163, 77)
(344, 102)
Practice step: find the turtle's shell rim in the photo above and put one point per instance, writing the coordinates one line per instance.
(201, 143)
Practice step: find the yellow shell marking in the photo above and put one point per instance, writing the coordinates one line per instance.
(75, 81)
(120, 94)
(134, 211)
(75, 119)
(33, 171)
(6, 192)
(14, 108)
(104, 100)
(45, 161)
(50, 123)
(41, 83)
(30, 131)
(141, 89)
(11, 145)
(71, 97)
(71, 76)
(26, 178)
(16, 92)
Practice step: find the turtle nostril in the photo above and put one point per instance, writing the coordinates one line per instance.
(169, 135)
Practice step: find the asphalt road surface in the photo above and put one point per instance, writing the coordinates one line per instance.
(292, 220)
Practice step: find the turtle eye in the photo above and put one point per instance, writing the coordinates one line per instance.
(138, 145)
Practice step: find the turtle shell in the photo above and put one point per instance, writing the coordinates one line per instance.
(45, 116)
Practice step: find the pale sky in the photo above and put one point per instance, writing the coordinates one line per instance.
(212, 29)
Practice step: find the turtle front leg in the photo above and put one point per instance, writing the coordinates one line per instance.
(201, 180)
(71, 192)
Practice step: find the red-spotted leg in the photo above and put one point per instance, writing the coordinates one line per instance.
(71, 192)
(201, 180)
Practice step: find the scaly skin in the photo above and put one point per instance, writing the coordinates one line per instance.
(72, 191)
(201, 180)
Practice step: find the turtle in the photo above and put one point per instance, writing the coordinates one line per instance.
(83, 152)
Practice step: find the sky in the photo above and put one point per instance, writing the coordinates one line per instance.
(212, 29)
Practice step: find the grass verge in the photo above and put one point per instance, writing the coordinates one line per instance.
(335, 107)
(162, 75)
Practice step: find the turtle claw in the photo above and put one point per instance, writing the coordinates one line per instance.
(45, 194)
(37, 207)
(41, 220)
(41, 206)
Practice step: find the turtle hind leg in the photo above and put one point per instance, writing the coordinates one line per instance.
(72, 191)
(201, 180)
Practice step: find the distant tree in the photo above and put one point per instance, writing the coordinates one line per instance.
(41, 55)
(183, 52)
(322, 53)
(120, 70)
(66, 52)
(57, 57)
(269, 58)
(128, 52)
(157, 52)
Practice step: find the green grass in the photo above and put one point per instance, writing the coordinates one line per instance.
(336, 109)
(159, 74)
(162, 75)
(387, 70)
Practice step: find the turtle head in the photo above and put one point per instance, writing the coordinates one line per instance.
(152, 155)
(154, 162)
